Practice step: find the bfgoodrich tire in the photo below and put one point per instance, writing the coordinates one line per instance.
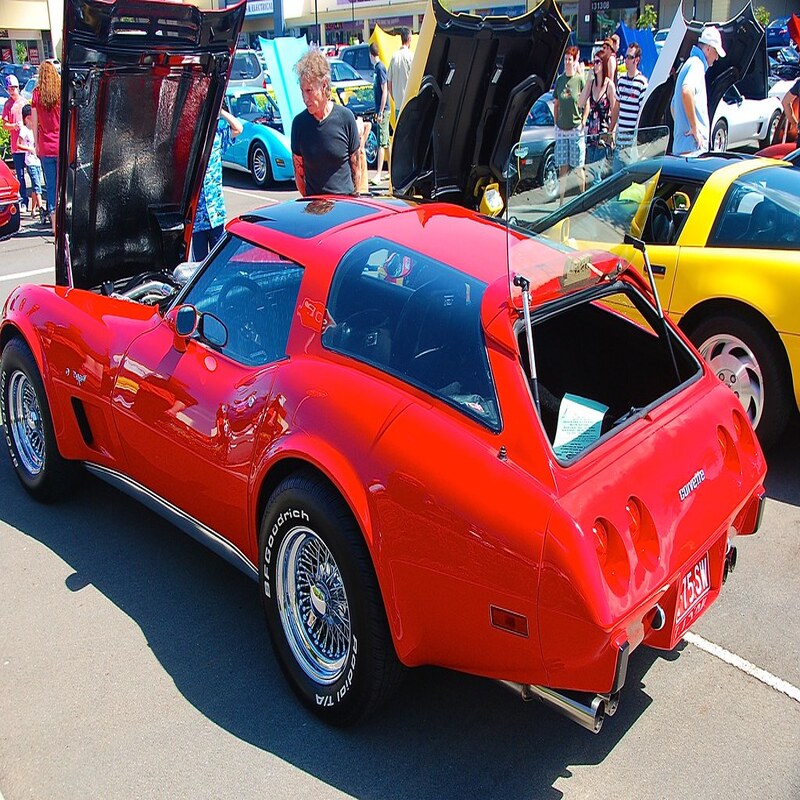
(28, 426)
(322, 602)
(745, 356)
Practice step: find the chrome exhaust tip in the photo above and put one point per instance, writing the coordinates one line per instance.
(730, 563)
(589, 715)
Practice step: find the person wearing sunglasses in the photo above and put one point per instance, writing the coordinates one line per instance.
(630, 90)
(598, 100)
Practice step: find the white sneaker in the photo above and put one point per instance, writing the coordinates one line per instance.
(376, 181)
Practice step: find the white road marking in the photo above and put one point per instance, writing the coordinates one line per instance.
(745, 666)
(16, 276)
(265, 200)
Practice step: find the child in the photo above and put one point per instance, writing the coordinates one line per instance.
(32, 163)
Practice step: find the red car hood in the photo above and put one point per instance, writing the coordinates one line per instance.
(142, 85)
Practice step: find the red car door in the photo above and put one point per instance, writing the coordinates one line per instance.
(187, 411)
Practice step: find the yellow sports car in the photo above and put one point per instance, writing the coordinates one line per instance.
(723, 239)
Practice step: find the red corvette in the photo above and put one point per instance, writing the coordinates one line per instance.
(9, 202)
(430, 437)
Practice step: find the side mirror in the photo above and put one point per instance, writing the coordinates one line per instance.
(186, 321)
(212, 329)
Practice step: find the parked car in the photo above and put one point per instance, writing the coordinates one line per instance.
(357, 56)
(723, 239)
(743, 73)
(349, 89)
(660, 37)
(536, 152)
(246, 70)
(9, 202)
(740, 121)
(778, 32)
(261, 149)
(423, 453)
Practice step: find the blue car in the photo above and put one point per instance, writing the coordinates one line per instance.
(261, 149)
(778, 32)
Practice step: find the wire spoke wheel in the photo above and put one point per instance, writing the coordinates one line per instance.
(25, 423)
(259, 165)
(313, 606)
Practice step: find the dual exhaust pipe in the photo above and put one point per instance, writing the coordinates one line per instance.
(588, 711)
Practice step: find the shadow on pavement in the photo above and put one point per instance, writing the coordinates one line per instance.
(442, 735)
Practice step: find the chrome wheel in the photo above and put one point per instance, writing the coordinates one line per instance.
(312, 605)
(260, 165)
(371, 147)
(550, 176)
(719, 139)
(734, 363)
(25, 423)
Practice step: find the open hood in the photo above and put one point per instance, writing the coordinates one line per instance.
(471, 86)
(745, 64)
(142, 85)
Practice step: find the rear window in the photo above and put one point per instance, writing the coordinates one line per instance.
(416, 319)
(601, 361)
(245, 67)
(760, 211)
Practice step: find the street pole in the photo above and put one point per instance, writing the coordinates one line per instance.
(316, 21)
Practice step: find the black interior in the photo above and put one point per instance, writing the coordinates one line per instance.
(591, 352)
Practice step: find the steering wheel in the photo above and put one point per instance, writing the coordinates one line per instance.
(662, 221)
(239, 314)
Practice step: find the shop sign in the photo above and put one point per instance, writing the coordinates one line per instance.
(258, 7)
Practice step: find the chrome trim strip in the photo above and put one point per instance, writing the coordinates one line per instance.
(180, 519)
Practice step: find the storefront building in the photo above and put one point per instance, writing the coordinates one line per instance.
(30, 30)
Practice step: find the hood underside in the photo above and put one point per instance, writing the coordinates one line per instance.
(470, 99)
(142, 84)
(745, 64)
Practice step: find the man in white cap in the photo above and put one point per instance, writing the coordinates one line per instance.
(690, 101)
(12, 122)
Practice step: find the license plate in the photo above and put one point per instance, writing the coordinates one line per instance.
(694, 586)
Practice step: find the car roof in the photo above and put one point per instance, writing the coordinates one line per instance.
(700, 167)
(324, 229)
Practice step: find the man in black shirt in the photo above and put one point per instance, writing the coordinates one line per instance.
(325, 140)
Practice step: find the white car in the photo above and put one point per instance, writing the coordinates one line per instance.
(739, 121)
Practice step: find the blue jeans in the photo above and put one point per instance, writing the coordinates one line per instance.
(19, 166)
(35, 173)
(203, 241)
(49, 167)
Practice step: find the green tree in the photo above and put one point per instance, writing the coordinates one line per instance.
(762, 15)
(648, 18)
(22, 52)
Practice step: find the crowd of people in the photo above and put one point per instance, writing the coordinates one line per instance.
(596, 120)
(34, 136)
(597, 117)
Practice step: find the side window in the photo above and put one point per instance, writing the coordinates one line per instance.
(760, 211)
(414, 318)
(349, 56)
(254, 292)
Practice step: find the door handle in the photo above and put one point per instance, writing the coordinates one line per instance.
(658, 269)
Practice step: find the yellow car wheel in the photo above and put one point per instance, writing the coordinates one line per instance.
(744, 356)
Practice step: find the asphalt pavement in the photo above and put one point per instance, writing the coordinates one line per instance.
(136, 664)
